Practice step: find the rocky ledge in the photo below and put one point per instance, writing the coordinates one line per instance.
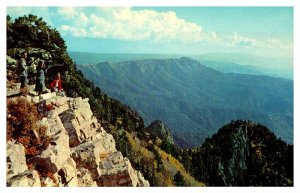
(81, 152)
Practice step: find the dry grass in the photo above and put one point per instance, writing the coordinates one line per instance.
(173, 166)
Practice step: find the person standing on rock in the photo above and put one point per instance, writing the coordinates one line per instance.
(40, 78)
(23, 70)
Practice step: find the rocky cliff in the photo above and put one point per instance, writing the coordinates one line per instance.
(243, 153)
(57, 141)
(80, 151)
(159, 129)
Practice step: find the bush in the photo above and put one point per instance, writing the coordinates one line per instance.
(178, 179)
(22, 126)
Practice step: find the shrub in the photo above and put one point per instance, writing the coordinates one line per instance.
(178, 179)
(22, 126)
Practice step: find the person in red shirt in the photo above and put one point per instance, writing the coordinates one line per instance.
(56, 86)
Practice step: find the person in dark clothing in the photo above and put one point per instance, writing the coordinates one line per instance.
(40, 78)
(23, 70)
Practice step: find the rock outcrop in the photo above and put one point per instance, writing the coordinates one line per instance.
(17, 172)
(244, 154)
(80, 153)
(159, 129)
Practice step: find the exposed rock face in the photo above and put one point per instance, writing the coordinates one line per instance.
(244, 154)
(159, 129)
(80, 153)
(117, 171)
(17, 172)
(24, 179)
(85, 178)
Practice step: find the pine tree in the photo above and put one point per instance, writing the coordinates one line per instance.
(178, 179)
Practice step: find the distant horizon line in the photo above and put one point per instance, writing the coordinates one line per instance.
(182, 54)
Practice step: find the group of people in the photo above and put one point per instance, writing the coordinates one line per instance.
(40, 88)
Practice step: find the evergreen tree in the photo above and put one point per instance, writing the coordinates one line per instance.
(178, 179)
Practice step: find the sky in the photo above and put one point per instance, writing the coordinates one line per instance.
(266, 31)
(274, 27)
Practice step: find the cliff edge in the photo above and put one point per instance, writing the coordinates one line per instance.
(80, 151)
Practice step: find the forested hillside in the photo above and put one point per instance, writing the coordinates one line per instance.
(194, 100)
(41, 42)
(262, 159)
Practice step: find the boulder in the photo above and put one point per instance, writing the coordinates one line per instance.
(12, 89)
(48, 96)
(15, 159)
(79, 122)
(68, 174)
(117, 171)
(87, 155)
(61, 104)
(85, 179)
(35, 99)
(58, 152)
(54, 124)
(25, 179)
(68, 120)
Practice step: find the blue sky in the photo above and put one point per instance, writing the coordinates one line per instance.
(266, 31)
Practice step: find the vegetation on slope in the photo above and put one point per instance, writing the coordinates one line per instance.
(242, 154)
(195, 100)
(22, 126)
(263, 159)
(32, 34)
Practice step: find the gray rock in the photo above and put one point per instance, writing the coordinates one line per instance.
(117, 171)
(25, 179)
(68, 174)
(48, 96)
(79, 121)
(87, 155)
(15, 159)
(84, 177)
(58, 152)
(80, 153)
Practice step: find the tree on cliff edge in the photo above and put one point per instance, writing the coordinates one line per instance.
(27, 32)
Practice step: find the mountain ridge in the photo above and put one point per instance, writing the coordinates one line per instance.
(162, 164)
(257, 160)
(176, 83)
(243, 63)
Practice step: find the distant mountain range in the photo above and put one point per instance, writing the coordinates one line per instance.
(194, 100)
(242, 63)
(246, 63)
(94, 58)
(240, 153)
(230, 67)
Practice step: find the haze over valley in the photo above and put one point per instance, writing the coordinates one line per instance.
(192, 99)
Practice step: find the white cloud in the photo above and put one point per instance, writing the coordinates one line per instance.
(238, 40)
(67, 12)
(128, 24)
(75, 31)
(276, 43)
(82, 20)
(124, 23)
(211, 37)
